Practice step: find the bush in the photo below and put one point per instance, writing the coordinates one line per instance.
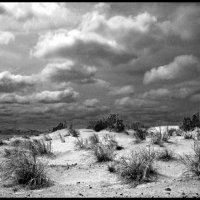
(100, 125)
(80, 143)
(138, 166)
(103, 153)
(94, 139)
(24, 168)
(114, 123)
(192, 162)
(171, 131)
(165, 155)
(158, 138)
(73, 132)
(140, 134)
(59, 126)
(188, 136)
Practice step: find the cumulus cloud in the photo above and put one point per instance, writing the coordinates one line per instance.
(6, 37)
(125, 90)
(134, 103)
(10, 82)
(86, 48)
(157, 93)
(68, 71)
(183, 23)
(91, 102)
(34, 16)
(68, 96)
(185, 66)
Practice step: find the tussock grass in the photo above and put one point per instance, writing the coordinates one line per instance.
(192, 162)
(137, 167)
(37, 147)
(22, 167)
(165, 155)
(94, 139)
(159, 138)
(74, 133)
(81, 143)
(103, 153)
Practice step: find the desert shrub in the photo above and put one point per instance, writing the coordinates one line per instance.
(112, 167)
(158, 138)
(100, 125)
(47, 137)
(73, 132)
(171, 131)
(103, 153)
(2, 142)
(114, 123)
(37, 147)
(16, 143)
(138, 166)
(140, 134)
(23, 167)
(188, 135)
(91, 124)
(25, 137)
(80, 143)
(94, 139)
(179, 132)
(192, 162)
(165, 155)
(60, 126)
(62, 139)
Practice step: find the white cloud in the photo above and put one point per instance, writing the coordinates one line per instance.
(68, 96)
(10, 82)
(125, 90)
(91, 102)
(6, 37)
(185, 66)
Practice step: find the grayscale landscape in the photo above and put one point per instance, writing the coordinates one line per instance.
(99, 99)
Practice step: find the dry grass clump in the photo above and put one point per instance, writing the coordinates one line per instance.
(165, 155)
(137, 167)
(94, 139)
(103, 152)
(81, 143)
(22, 167)
(158, 138)
(37, 147)
(192, 162)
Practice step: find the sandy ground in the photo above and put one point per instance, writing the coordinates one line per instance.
(77, 174)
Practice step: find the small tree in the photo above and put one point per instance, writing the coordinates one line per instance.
(186, 124)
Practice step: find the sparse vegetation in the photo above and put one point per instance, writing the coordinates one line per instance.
(37, 147)
(112, 167)
(192, 162)
(103, 152)
(81, 143)
(188, 136)
(73, 132)
(94, 139)
(60, 126)
(165, 155)
(22, 167)
(62, 139)
(140, 134)
(138, 166)
(157, 137)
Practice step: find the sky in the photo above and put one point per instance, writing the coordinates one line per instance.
(80, 61)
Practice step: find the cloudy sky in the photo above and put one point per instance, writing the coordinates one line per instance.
(79, 61)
